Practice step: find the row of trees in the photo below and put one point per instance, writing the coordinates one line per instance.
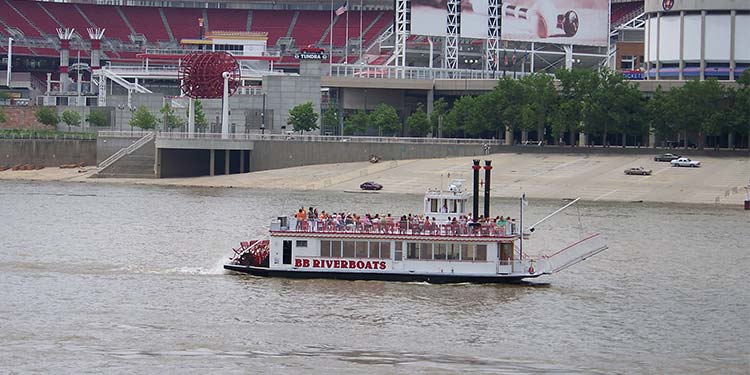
(601, 104)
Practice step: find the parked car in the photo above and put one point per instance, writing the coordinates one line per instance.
(685, 162)
(680, 144)
(638, 171)
(370, 185)
(666, 157)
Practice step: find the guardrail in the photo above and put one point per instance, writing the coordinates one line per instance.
(410, 72)
(78, 137)
(321, 138)
(126, 151)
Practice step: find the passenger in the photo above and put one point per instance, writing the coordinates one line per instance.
(501, 223)
(366, 223)
(389, 223)
(402, 225)
(300, 216)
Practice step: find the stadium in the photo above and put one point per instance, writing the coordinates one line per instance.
(119, 55)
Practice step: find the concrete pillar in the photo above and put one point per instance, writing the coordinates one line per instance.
(646, 48)
(242, 161)
(508, 136)
(212, 168)
(703, 45)
(658, 39)
(730, 140)
(227, 154)
(651, 138)
(430, 101)
(582, 139)
(732, 39)
(157, 163)
(191, 116)
(64, 62)
(682, 45)
(524, 135)
(568, 57)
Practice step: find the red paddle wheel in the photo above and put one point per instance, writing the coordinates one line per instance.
(200, 74)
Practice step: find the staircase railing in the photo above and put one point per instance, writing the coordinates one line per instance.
(126, 151)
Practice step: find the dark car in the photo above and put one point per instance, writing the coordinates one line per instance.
(666, 157)
(681, 144)
(369, 185)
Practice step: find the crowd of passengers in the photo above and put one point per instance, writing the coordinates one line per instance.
(314, 221)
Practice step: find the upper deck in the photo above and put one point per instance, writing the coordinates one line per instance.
(485, 232)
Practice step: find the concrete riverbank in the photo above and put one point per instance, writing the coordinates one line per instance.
(554, 176)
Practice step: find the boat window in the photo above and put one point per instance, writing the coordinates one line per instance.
(433, 205)
(361, 249)
(481, 253)
(335, 249)
(385, 250)
(454, 206)
(467, 251)
(412, 250)
(325, 248)
(453, 250)
(301, 243)
(398, 253)
(440, 251)
(348, 249)
(425, 251)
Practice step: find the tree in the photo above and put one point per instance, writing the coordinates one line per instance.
(457, 119)
(143, 118)
(303, 118)
(330, 120)
(540, 100)
(200, 117)
(97, 118)
(356, 123)
(71, 118)
(169, 119)
(742, 104)
(3, 119)
(385, 118)
(418, 123)
(439, 110)
(47, 116)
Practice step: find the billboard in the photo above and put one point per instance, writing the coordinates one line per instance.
(582, 22)
(429, 17)
(475, 18)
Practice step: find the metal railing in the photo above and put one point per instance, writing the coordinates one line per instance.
(126, 151)
(63, 136)
(136, 133)
(318, 138)
(410, 72)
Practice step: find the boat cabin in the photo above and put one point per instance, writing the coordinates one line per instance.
(444, 204)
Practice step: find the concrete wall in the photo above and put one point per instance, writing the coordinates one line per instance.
(47, 152)
(282, 154)
(614, 151)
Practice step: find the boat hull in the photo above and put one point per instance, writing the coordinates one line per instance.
(381, 276)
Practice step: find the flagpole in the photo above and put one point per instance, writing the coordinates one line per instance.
(330, 35)
(520, 245)
(346, 53)
(360, 30)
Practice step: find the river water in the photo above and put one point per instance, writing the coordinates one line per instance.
(127, 279)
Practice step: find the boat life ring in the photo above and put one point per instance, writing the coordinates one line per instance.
(531, 269)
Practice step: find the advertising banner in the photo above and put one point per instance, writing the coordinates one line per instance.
(475, 19)
(429, 17)
(580, 22)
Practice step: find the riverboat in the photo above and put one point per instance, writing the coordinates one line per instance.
(440, 250)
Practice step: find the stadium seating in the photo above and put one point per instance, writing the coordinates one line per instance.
(227, 19)
(146, 21)
(107, 17)
(183, 22)
(310, 27)
(274, 22)
(13, 19)
(68, 15)
(621, 12)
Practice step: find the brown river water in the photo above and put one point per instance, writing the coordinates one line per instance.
(128, 279)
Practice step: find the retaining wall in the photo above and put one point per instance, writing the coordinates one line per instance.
(47, 152)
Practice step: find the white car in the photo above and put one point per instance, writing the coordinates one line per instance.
(685, 162)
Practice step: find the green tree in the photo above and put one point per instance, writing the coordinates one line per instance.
(97, 118)
(201, 123)
(385, 118)
(439, 110)
(47, 116)
(169, 118)
(71, 118)
(330, 120)
(303, 118)
(143, 118)
(742, 106)
(458, 118)
(509, 97)
(3, 119)
(539, 104)
(418, 123)
(356, 123)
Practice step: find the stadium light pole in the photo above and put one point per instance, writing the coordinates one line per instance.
(8, 68)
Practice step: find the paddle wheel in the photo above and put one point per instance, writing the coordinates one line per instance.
(252, 253)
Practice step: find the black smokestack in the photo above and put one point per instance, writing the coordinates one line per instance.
(476, 168)
(487, 169)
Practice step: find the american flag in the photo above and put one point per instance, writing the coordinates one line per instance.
(342, 9)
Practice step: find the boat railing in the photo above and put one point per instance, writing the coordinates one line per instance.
(291, 224)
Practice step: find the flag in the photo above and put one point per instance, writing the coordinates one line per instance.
(342, 9)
